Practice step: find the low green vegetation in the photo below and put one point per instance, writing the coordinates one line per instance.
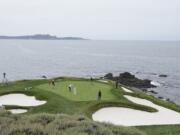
(58, 124)
(82, 103)
(161, 130)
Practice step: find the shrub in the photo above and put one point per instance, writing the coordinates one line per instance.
(58, 124)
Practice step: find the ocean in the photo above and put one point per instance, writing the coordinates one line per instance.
(31, 59)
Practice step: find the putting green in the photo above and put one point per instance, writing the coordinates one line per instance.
(85, 90)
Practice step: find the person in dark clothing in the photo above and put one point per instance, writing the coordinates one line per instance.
(4, 81)
(4, 75)
(91, 79)
(99, 95)
(117, 84)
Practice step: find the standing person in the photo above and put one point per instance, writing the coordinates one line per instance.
(5, 81)
(91, 79)
(53, 83)
(117, 84)
(4, 75)
(49, 82)
(70, 88)
(99, 95)
(74, 90)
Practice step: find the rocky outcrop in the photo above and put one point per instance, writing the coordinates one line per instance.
(163, 75)
(130, 80)
(109, 76)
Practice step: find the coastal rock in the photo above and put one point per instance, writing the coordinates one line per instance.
(154, 92)
(160, 97)
(109, 76)
(162, 75)
(45, 77)
(128, 79)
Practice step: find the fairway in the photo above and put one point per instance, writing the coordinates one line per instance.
(85, 90)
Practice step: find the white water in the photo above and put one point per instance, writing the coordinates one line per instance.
(155, 83)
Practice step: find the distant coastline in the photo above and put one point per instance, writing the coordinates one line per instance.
(41, 37)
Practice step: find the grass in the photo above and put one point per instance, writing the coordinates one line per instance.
(58, 124)
(161, 130)
(60, 100)
(86, 90)
(156, 100)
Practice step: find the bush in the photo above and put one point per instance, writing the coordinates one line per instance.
(58, 124)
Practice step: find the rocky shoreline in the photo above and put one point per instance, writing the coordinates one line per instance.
(130, 80)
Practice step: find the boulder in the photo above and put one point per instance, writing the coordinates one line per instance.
(154, 92)
(130, 80)
(109, 76)
(45, 77)
(162, 75)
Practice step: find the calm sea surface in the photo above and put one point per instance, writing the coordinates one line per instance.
(29, 59)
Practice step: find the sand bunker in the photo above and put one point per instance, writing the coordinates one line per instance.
(131, 117)
(127, 90)
(20, 100)
(104, 81)
(18, 111)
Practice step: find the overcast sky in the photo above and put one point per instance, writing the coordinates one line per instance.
(95, 19)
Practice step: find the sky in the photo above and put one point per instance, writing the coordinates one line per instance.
(93, 19)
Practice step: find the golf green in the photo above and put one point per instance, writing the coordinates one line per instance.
(85, 90)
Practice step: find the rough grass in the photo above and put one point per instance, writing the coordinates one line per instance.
(161, 130)
(58, 124)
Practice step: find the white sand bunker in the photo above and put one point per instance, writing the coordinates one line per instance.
(104, 81)
(18, 111)
(131, 117)
(20, 100)
(127, 90)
